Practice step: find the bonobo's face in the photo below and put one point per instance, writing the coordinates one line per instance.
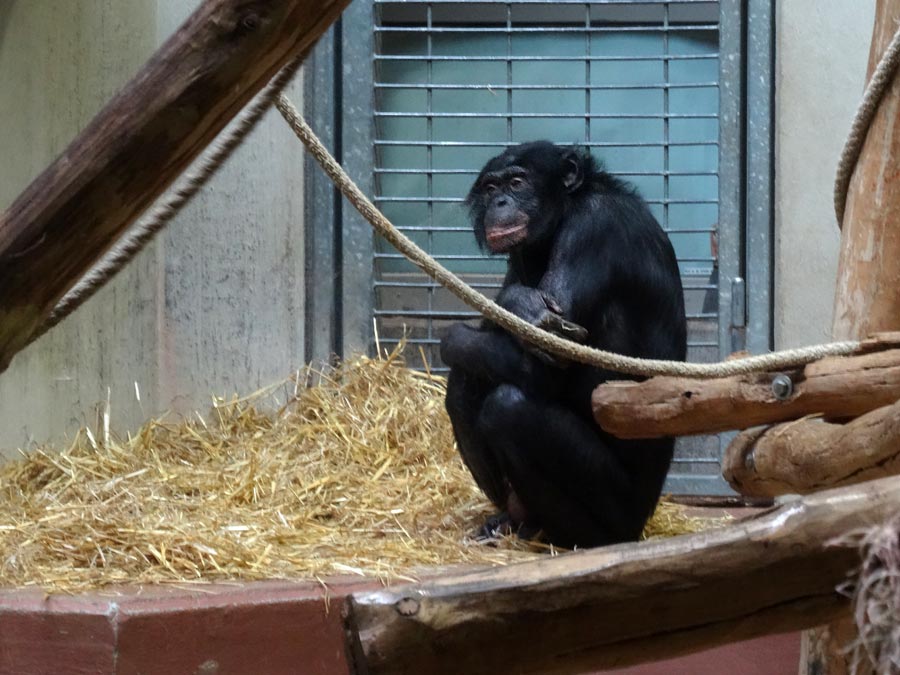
(519, 196)
(506, 195)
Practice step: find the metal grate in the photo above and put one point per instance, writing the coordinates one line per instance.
(455, 82)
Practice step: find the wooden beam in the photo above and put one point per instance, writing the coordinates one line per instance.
(620, 605)
(835, 387)
(138, 144)
(808, 455)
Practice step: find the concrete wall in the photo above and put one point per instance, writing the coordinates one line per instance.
(822, 47)
(214, 305)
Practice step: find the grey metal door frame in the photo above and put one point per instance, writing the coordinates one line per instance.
(339, 274)
(338, 102)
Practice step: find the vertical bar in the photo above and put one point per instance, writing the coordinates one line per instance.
(429, 109)
(319, 216)
(665, 37)
(731, 175)
(358, 135)
(509, 75)
(760, 174)
(337, 254)
(587, 72)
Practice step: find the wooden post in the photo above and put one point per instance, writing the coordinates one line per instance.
(138, 144)
(620, 605)
(867, 298)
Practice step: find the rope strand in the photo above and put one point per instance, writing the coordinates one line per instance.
(505, 319)
(162, 213)
(875, 90)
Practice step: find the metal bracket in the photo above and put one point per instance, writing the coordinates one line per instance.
(738, 315)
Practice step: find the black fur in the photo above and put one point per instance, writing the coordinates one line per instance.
(583, 249)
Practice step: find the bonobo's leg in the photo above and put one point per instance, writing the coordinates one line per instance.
(572, 484)
(466, 393)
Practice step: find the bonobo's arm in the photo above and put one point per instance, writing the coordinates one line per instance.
(491, 354)
(539, 308)
(585, 259)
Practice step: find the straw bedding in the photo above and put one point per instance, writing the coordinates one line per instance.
(355, 474)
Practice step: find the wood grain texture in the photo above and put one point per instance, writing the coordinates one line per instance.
(132, 150)
(614, 606)
(836, 387)
(867, 296)
(807, 455)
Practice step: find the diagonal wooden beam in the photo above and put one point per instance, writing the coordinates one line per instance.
(138, 144)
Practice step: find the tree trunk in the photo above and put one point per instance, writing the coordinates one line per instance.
(867, 298)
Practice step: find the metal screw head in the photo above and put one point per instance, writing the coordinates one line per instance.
(782, 387)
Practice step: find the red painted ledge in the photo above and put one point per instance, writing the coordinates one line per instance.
(265, 628)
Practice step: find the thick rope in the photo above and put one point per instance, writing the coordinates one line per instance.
(143, 232)
(534, 335)
(875, 90)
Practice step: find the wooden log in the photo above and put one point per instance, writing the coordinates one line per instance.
(810, 454)
(620, 605)
(142, 140)
(866, 297)
(835, 387)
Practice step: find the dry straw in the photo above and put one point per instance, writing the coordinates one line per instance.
(355, 474)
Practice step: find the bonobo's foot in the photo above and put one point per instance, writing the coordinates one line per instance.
(502, 525)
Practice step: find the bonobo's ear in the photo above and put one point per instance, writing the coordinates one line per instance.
(573, 169)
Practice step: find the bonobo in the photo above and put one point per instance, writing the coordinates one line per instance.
(588, 261)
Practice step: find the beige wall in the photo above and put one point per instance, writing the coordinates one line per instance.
(822, 47)
(215, 305)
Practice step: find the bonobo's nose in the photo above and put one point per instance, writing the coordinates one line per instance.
(501, 201)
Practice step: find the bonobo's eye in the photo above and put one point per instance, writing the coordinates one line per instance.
(517, 183)
(489, 188)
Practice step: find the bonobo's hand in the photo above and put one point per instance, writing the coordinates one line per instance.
(538, 308)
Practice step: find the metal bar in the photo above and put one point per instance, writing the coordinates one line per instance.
(759, 234)
(430, 153)
(462, 315)
(467, 230)
(318, 260)
(544, 2)
(497, 285)
(500, 144)
(546, 87)
(543, 30)
(731, 175)
(436, 341)
(548, 115)
(474, 172)
(460, 200)
(539, 59)
(358, 131)
(665, 37)
(463, 256)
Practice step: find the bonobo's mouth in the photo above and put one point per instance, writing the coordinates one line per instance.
(502, 238)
